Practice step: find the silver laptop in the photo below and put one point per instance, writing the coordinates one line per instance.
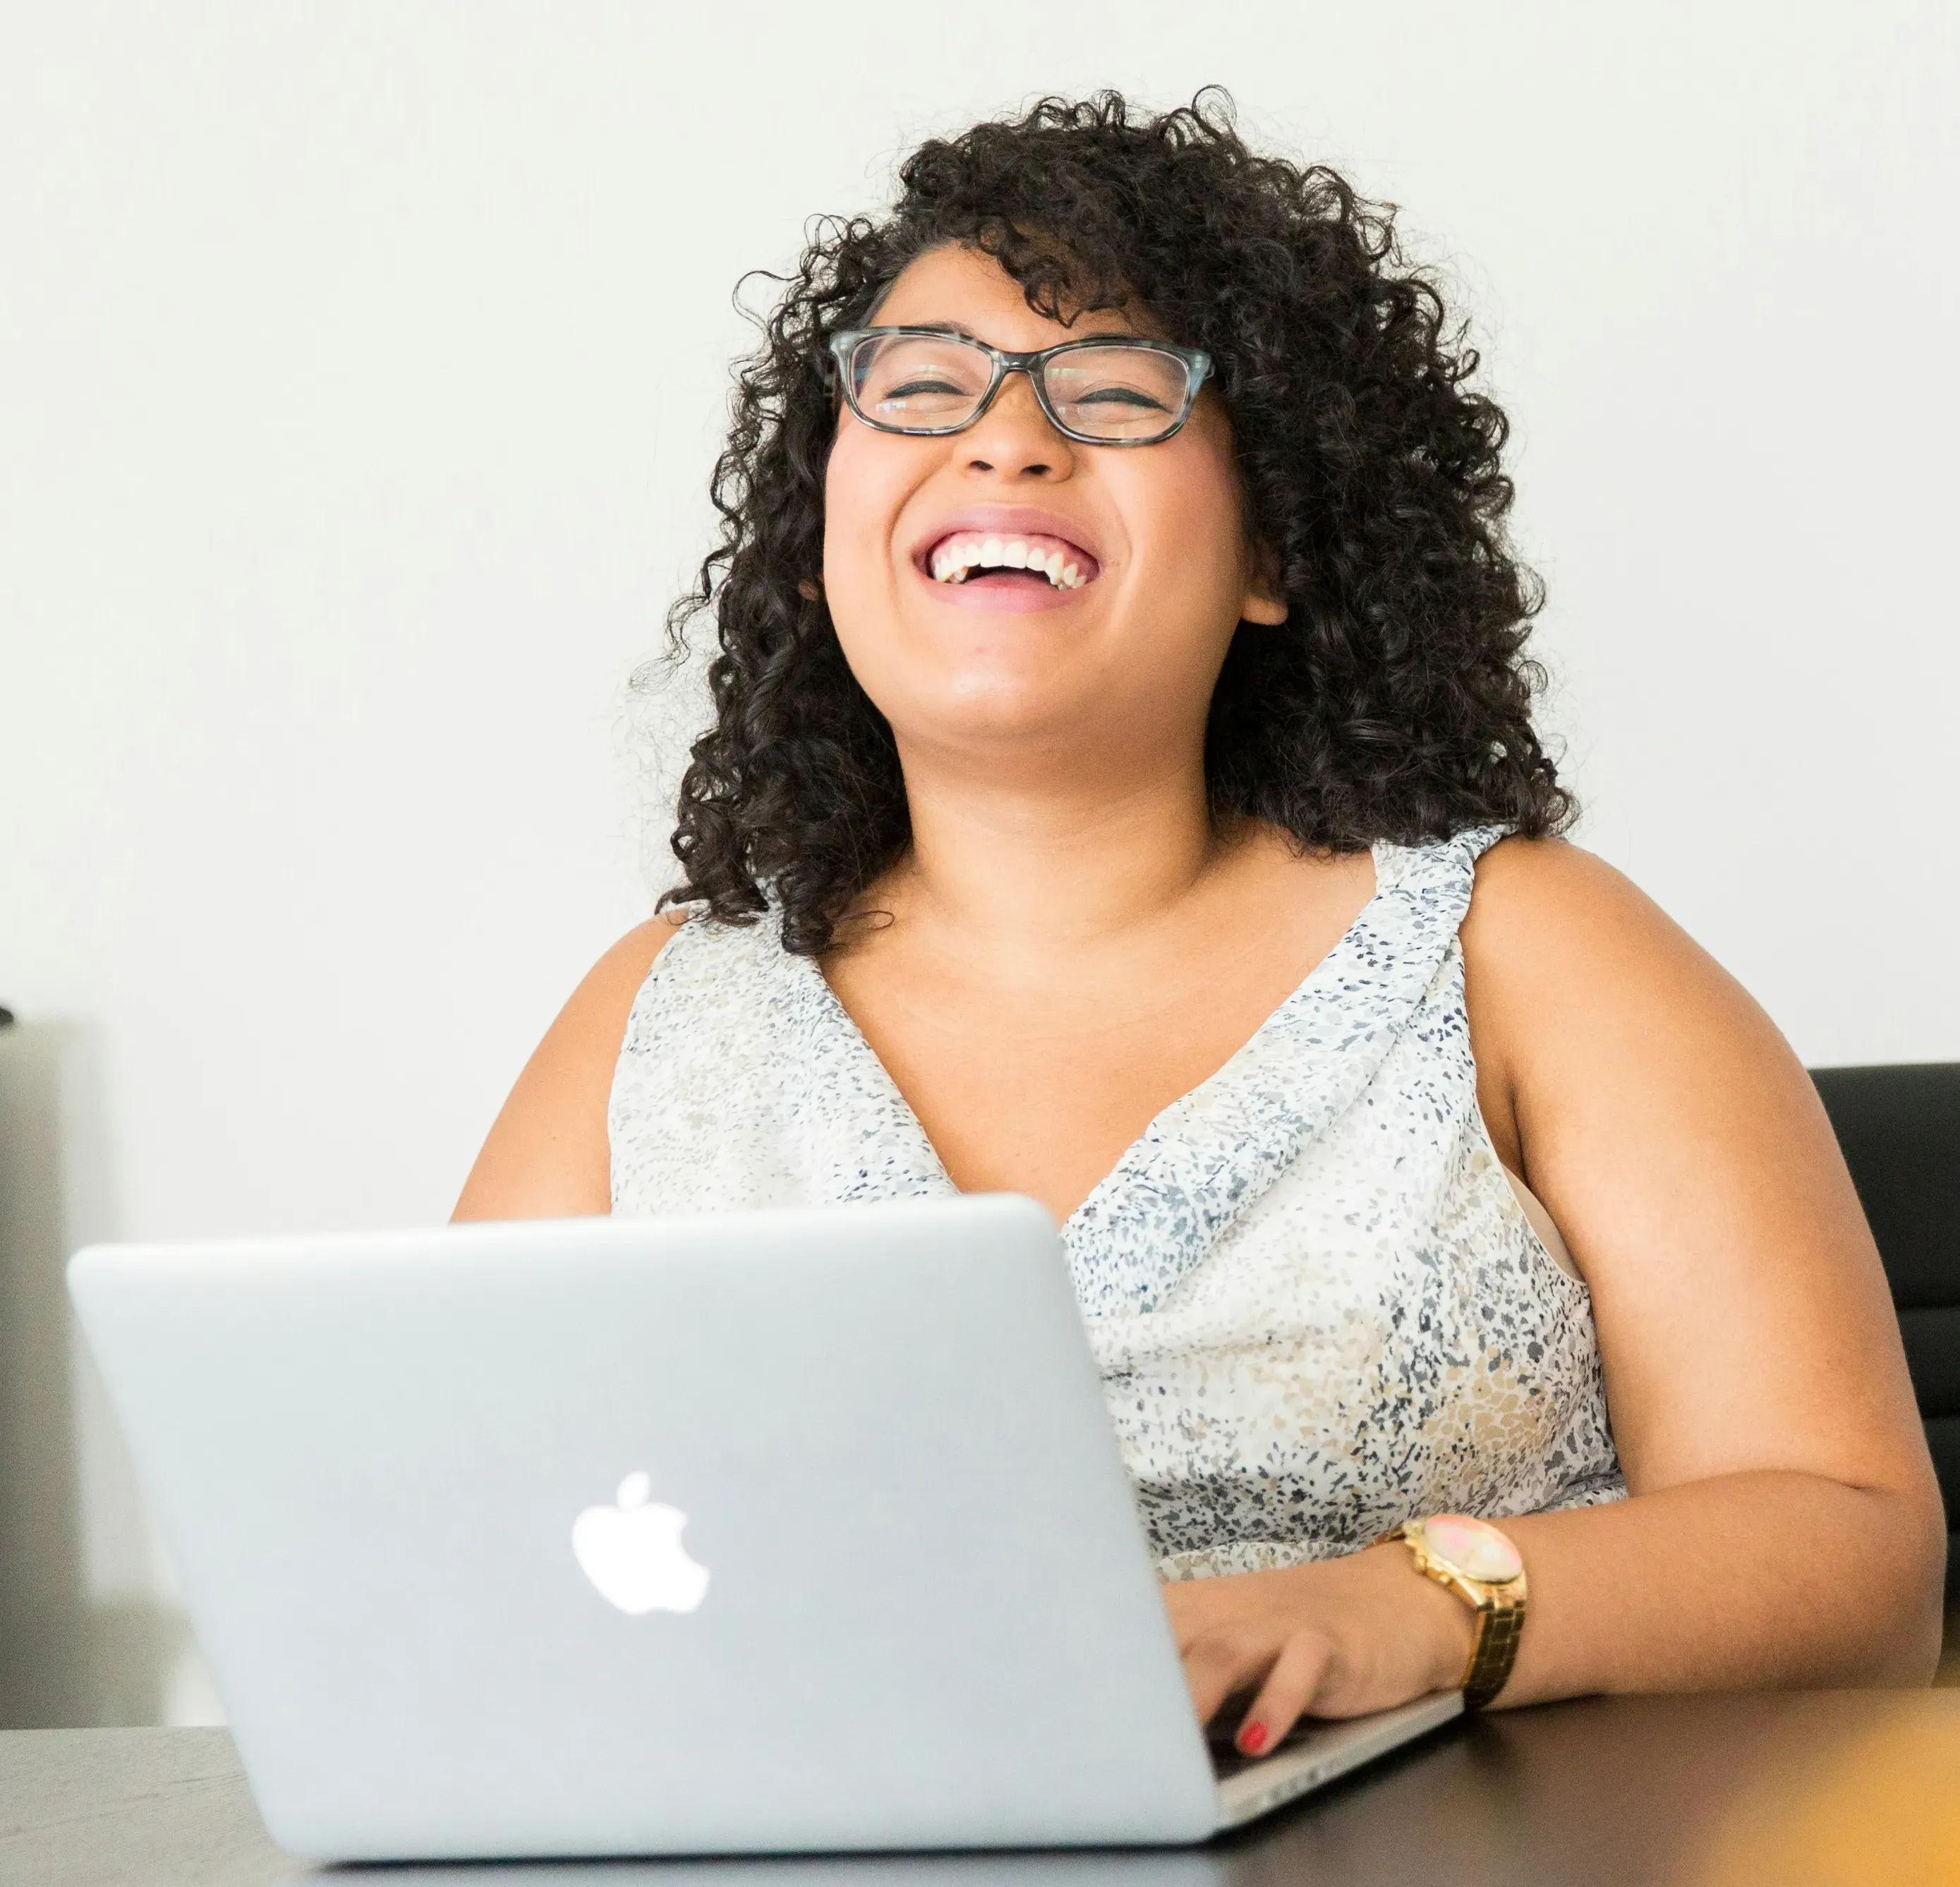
(758, 1533)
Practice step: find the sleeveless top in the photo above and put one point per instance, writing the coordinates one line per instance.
(1317, 1304)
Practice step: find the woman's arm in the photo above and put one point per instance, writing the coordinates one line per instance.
(547, 1155)
(1754, 1372)
(1785, 1527)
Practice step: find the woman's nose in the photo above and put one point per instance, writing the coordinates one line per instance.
(1013, 437)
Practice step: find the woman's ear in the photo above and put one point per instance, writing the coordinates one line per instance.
(1264, 599)
(810, 590)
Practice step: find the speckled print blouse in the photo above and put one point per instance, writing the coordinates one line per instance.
(1317, 1306)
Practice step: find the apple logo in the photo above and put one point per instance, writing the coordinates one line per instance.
(632, 1553)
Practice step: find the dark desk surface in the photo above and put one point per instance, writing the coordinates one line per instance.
(1792, 1790)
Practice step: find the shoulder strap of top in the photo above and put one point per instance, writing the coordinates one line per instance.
(1441, 872)
(771, 1065)
(707, 1002)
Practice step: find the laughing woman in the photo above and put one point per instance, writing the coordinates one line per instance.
(1123, 789)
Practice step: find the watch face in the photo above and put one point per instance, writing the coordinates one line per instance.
(1473, 1548)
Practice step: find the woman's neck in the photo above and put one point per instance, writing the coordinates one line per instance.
(1008, 869)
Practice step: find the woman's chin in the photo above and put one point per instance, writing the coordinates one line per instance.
(1015, 715)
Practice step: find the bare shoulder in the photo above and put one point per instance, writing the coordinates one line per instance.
(605, 999)
(1633, 1078)
(1585, 996)
(546, 1156)
(1547, 896)
(1550, 926)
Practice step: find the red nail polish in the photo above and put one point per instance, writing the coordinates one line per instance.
(1252, 1739)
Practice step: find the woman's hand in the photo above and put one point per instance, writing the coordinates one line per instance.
(1337, 1638)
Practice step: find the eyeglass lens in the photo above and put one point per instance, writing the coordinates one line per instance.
(933, 383)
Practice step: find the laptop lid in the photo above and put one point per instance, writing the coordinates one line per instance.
(782, 1531)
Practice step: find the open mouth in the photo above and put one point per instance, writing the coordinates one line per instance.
(971, 557)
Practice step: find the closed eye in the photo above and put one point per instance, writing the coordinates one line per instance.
(1120, 396)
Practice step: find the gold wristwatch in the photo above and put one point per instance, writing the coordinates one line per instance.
(1484, 1570)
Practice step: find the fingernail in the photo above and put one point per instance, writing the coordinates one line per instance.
(1252, 1739)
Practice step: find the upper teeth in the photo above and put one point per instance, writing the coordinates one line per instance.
(957, 556)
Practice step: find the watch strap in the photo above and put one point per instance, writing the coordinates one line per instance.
(1499, 1627)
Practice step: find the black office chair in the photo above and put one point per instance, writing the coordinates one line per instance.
(1900, 1129)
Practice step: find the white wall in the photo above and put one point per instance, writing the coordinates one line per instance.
(360, 365)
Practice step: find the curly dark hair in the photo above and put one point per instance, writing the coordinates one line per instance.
(1394, 703)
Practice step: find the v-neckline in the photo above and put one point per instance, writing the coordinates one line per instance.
(1192, 1100)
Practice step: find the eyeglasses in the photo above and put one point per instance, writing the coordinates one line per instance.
(1104, 390)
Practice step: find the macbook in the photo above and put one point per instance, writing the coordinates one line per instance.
(780, 1532)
